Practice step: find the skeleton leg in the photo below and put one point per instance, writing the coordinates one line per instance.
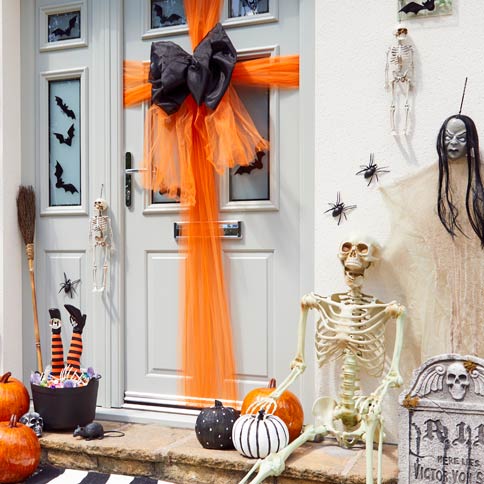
(274, 464)
(105, 267)
(372, 422)
(94, 268)
(406, 106)
(392, 110)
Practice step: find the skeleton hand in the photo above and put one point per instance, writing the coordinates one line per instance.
(298, 363)
(394, 379)
(268, 404)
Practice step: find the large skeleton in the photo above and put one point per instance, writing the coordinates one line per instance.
(399, 71)
(351, 328)
(100, 241)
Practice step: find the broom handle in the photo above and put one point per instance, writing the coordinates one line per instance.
(29, 248)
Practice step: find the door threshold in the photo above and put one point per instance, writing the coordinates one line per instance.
(145, 414)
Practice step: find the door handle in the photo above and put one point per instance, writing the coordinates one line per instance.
(127, 179)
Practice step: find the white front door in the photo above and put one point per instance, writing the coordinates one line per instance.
(263, 267)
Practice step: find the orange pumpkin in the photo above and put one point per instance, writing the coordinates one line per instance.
(289, 408)
(14, 397)
(19, 451)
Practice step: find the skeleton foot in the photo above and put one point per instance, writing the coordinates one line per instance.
(274, 464)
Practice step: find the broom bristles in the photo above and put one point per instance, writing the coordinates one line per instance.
(26, 213)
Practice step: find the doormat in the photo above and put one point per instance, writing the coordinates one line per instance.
(55, 475)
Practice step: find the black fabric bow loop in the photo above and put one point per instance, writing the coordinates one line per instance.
(174, 74)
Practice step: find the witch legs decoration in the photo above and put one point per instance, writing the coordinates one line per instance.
(78, 321)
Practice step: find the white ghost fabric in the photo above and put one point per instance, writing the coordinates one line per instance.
(441, 278)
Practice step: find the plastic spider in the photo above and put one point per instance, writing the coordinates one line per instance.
(339, 209)
(69, 286)
(371, 170)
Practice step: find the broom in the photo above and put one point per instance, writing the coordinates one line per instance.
(26, 222)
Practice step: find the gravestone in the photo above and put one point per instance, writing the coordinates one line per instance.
(442, 422)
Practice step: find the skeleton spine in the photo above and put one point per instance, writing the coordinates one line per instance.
(348, 389)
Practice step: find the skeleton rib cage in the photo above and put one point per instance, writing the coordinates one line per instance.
(341, 330)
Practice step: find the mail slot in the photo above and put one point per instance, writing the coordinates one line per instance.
(228, 230)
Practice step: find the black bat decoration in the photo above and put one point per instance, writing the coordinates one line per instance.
(65, 108)
(173, 19)
(70, 134)
(68, 187)
(256, 164)
(414, 7)
(61, 32)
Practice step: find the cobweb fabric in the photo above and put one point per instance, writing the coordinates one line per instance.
(182, 155)
(442, 278)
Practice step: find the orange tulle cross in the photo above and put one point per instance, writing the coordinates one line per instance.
(183, 152)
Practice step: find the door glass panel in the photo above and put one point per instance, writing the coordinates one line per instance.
(167, 13)
(252, 182)
(159, 198)
(64, 145)
(244, 8)
(64, 26)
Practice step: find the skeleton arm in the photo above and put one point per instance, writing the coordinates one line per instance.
(298, 364)
(387, 67)
(396, 311)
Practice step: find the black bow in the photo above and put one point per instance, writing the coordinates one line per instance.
(175, 73)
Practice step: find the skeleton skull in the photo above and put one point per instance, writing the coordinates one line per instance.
(357, 253)
(34, 421)
(400, 31)
(100, 204)
(457, 380)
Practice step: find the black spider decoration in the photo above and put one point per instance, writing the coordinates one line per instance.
(69, 286)
(371, 170)
(339, 209)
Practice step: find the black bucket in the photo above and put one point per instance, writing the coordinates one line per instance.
(66, 408)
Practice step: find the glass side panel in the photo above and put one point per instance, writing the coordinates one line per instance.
(64, 143)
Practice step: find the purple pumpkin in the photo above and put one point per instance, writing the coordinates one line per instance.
(214, 427)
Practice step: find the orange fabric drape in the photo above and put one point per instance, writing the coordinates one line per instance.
(183, 153)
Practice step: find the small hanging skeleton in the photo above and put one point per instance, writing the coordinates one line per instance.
(399, 71)
(100, 240)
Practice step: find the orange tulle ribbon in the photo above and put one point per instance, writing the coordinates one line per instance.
(183, 152)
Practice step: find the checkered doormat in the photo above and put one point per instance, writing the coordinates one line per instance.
(46, 474)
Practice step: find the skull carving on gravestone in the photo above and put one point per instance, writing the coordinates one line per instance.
(34, 421)
(457, 380)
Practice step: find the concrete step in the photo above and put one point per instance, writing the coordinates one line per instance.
(175, 455)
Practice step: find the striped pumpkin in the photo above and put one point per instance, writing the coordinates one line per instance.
(257, 436)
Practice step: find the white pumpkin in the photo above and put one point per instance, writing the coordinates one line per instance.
(257, 436)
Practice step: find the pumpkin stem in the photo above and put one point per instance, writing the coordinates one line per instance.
(218, 403)
(13, 421)
(4, 378)
(272, 383)
(261, 414)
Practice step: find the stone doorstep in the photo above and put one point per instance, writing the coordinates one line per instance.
(173, 454)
